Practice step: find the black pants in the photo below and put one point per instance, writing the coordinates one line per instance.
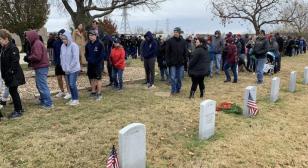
(16, 98)
(149, 66)
(109, 68)
(197, 80)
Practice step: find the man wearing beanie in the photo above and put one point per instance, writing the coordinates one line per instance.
(176, 56)
(260, 49)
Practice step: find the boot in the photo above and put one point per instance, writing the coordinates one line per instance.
(201, 93)
(192, 94)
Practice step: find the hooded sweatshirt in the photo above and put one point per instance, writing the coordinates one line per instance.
(38, 55)
(150, 47)
(70, 55)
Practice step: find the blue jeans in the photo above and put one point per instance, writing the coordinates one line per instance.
(41, 75)
(117, 75)
(72, 83)
(218, 62)
(234, 71)
(259, 69)
(176, 75)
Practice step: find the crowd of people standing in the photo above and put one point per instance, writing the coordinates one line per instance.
(198, 56)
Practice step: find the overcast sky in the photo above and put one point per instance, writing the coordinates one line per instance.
(193, 16)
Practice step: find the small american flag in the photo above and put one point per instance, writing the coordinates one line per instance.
(252, 106)
(112, 161)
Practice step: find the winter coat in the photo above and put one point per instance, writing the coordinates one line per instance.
(117, 58)
(79, 38)
(57, 51)
(94, 52)
(176, 52)
(232, 55)
(38, 55)
(274, 47)
(150, 47)
(70, 55)
(199, 64)
(261, 47)
(161, 56)
(218, 44)
(50, 43)
(11, 71)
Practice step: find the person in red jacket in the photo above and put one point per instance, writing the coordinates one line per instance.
(39, 61)
(231, 60)
(117, 59)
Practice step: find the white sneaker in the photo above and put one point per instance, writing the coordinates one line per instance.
(60, 94)
(67, 96)
(74, 103)
(99, 98)
(152, 87)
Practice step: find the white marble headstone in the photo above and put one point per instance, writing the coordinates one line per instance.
(207, 119)
(292, 83)
(306, 76)
(275, 89)
(132, 146)
(252, 90)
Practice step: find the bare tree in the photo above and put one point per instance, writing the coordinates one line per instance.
(17, 16)
(257, 12)
(83, 11)
(300, 18)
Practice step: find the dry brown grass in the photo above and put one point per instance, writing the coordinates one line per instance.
(82, 136)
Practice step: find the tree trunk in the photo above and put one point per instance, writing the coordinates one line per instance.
(82, 18)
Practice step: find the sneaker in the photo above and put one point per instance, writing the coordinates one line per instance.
(15, 114)
(1, 107)
(74, 103)
(93, 95)
(226, 81)
(99, 97)
(60, 94)
(67, 96)
(151, 87)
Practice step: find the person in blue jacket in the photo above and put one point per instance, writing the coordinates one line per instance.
(94, 57)
(149, 54)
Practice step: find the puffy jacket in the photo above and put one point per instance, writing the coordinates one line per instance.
(11, 71)
(261, 47)
(150, 47)
(200, 62)
(70, 55)
(232, 55)
(94, 52)
(176, 52)
(218, 44)
(38, 55)
(117, 58)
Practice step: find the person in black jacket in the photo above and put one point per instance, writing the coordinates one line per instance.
(11, 71)
(176, 56)
(161, 60)
(199, 67)
(260, 49)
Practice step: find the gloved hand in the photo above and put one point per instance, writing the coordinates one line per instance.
(26, 59)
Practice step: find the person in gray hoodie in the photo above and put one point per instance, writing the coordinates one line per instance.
(70, 65)
(218, 44)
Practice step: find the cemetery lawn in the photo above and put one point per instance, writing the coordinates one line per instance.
(82, 136)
